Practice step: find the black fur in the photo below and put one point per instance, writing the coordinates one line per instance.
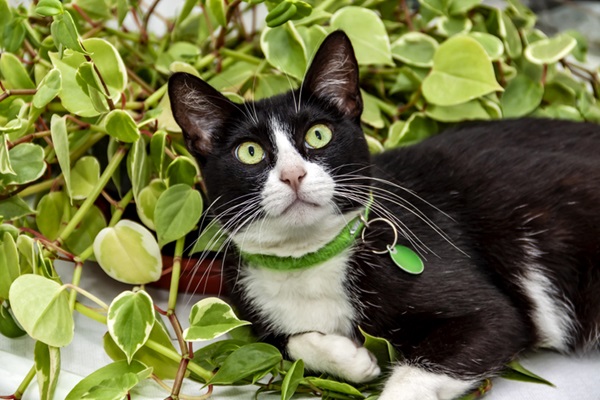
(507, 196)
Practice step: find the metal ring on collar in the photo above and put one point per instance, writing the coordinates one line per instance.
(389, 247)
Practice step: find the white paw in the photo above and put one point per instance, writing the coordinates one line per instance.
(412, 383)
(334, 354)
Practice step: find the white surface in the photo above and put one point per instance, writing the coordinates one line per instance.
(576, 377)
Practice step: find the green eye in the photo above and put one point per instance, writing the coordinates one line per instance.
(250, 153)
(318, 136)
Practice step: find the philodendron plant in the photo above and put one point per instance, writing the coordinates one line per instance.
(86, 134)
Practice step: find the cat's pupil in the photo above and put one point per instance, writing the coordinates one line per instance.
(251, 151)
(318, 135)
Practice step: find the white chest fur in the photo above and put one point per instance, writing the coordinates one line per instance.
(315, 299)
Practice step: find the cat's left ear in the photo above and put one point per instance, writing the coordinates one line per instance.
(199, 109)
(333, 75)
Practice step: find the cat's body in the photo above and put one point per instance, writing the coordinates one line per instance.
(505, 215)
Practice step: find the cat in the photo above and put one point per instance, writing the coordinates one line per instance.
(505, 216)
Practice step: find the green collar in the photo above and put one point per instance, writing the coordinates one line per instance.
(340, 243)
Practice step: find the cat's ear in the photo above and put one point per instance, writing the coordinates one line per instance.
(199, 109)
(333, 75)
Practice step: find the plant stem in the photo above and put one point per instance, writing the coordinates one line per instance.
(118, 213)
(91, 141)
(88, 312)
(25, 384)
(37, 188)
(240, 56)
(175, 275)
(155, 97)
(77, 271)
(173, 355)
(89, 202)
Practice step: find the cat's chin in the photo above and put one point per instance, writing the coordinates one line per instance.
(303, 213)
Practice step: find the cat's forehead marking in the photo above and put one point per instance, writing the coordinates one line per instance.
(281, 137)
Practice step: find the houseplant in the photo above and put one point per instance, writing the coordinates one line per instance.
(84, 116)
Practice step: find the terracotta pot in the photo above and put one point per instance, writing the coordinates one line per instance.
(196, 277)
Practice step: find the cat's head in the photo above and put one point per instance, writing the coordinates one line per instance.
(286, 169)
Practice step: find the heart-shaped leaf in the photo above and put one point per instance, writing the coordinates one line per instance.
(462, 71)
(521, 96)
(85, 177)
(211, 318)
(121, 126)
(245, 362)
(367, 34)
(177, 212)
(549, 51)
(130, 320)
(146, 201)
(48, 89)
(42, 308)
(284, 49)
(60, 140)
(128, 253)
(27, 161)
(415, 48)
(14, 207)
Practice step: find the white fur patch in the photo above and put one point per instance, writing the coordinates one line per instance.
(299, 222)
(334, 354)
(411, 383)
(553, 318)
(295, 302)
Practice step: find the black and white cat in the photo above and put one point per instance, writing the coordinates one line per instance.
(506, 216)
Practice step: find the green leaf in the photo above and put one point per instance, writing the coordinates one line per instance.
(371, 112)
(128, 253)
(177, 212)
(211, 318)
(85, 177)
(29, 254)
(312, 36)
(335, 386)
(374, 145)
(213, 355)
(8, 325)
(42, 308)
(271, 85)
(5, 167)
(212, 238)
(96, 378)
(581, 49)
(490, 43)
(60, 140)
(83, 237)
(462, 71)
(292, 379)
(504, 27)
(589, 107)
(217, 8)
(450, 26)
(9, 264)
(471, 110)
(162, 366)
(382, 349)
(49, 8)
(10, 229)
(415, 48)
(146, 202)
(245, 362)
(96, 9)
(64, 32)
(231, 79)
(458, 7)
(549, 51)
(121, 126)
(517, 372)
(522, 96)
(115, 388)
(158, 143)
(54, 212)
(48, 89)
(367, 34)
(14, 208)
(14, 34)
(14, 73)
(47, 367)
(182, 170)
(130, 319)
(416, 128)
(138, 167)
(284, 49)
(27, 160)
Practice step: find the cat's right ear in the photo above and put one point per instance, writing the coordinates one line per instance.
(199, 109)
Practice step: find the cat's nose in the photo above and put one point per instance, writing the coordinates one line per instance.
(293, 176)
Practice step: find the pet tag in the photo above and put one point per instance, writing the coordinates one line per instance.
(406, 259)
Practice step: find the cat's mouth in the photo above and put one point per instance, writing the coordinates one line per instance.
(299, 203)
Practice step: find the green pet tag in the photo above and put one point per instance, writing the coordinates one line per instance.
(406, 259)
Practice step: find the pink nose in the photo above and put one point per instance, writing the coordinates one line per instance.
(293, 176)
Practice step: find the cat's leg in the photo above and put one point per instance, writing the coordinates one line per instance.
(458, 354)
(334, 354)
(410, 382)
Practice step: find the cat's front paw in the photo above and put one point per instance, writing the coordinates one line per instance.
(334, 354)
(412, 383)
